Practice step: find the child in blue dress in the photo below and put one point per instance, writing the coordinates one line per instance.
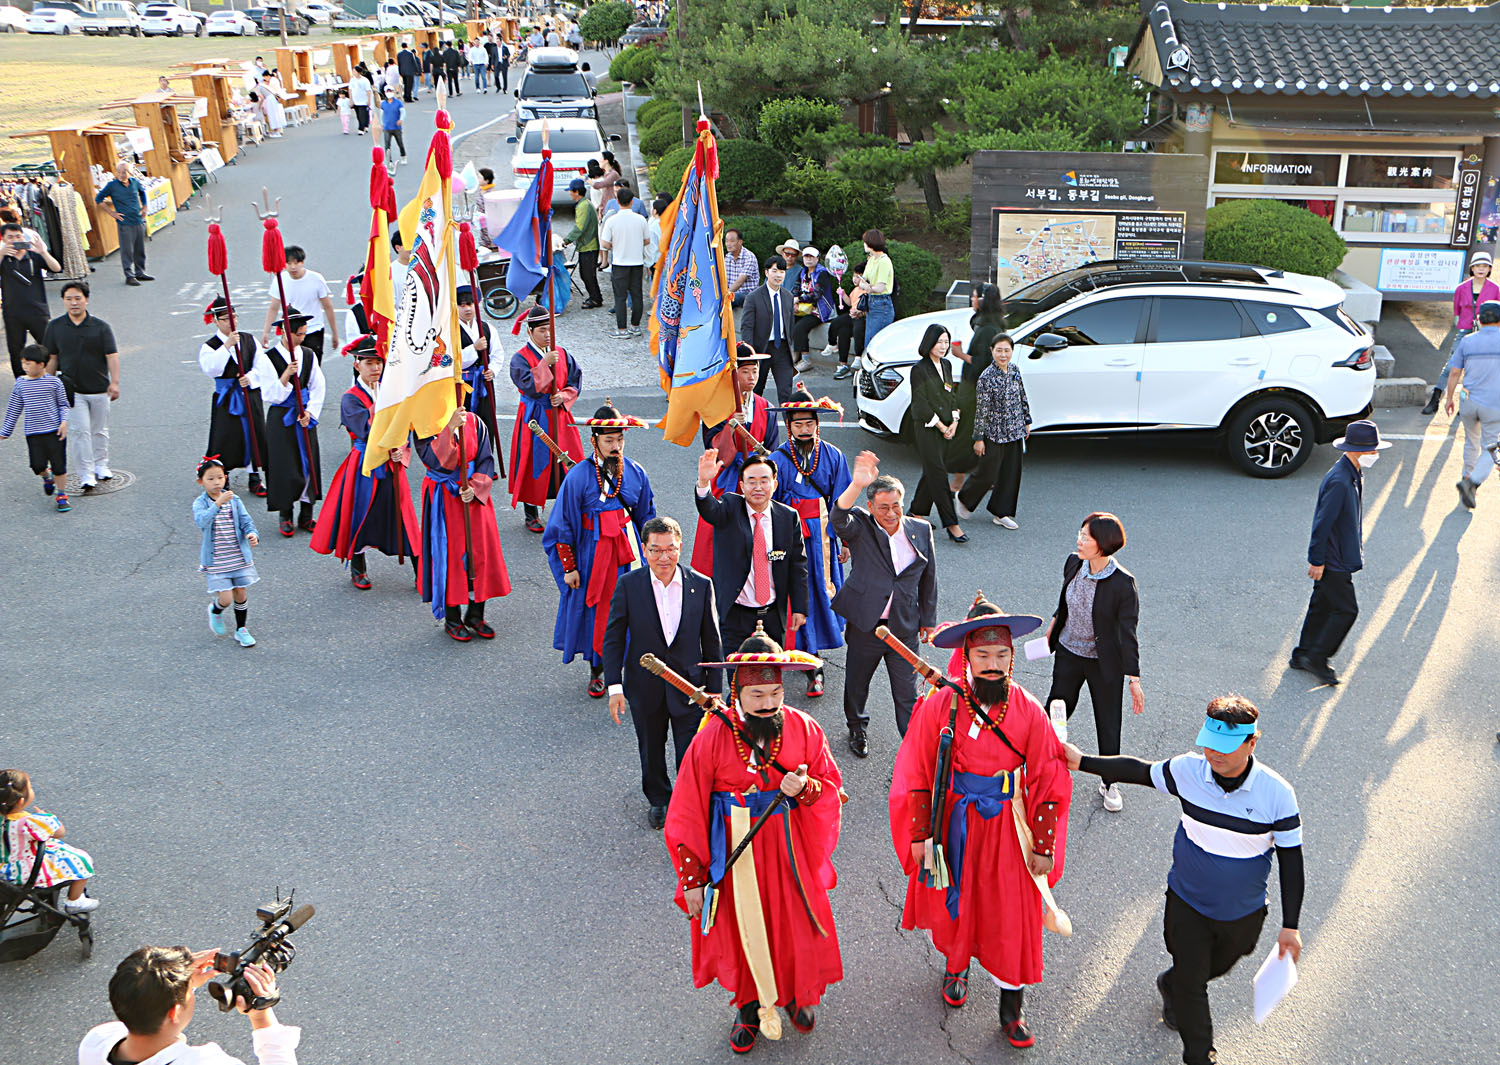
(228, 536)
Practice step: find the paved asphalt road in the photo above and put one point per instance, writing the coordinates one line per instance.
(469, 826)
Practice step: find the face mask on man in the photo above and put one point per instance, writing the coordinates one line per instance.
(1366, 461)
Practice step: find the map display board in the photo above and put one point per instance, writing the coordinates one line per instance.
(1038, 213)
(1030, 245)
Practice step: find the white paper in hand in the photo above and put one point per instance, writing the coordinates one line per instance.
(1276, 976)
(1037, 648)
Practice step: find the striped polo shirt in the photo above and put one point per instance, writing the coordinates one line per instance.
(1221, 856)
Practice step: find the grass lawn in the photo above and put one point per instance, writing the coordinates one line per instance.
(46, 79)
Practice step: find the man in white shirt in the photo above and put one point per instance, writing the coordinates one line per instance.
(892, 581)
(479, 65)
(149, 1032)
(306, 293)
(669, 611)
(624, 238)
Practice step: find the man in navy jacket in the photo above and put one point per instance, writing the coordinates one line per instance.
(1335, 553)
(667, 610)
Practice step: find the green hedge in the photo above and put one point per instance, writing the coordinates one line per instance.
(659, 139)
(918, 274)
(836, 204)
(761, 235)
(653, 108)
(747, 171)
(1275, 234)
(636, 64)
(783, 122)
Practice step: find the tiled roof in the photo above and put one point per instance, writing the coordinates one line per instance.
(1274, 50)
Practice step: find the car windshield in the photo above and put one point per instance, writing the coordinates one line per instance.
(568, 141)
(562, 86)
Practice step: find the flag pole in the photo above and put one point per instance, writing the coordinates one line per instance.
(444, 162)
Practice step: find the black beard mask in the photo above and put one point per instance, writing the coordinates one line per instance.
(764, 730)
(805, 446)
(991, 692)
(611, 465)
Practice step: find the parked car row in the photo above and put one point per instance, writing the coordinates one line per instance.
(1266, 363)
(161, 18)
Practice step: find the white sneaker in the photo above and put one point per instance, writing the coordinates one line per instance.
(83, 904)
(1006, 522)
(831, 351)
(803, 365)
(104, 473)
(403, 161)
(963, 511)
(1114, 802)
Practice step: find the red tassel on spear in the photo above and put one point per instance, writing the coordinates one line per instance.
(273, 261)
(218, 265)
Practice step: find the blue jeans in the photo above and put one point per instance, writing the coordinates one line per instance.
(479, 77)
(881, 313)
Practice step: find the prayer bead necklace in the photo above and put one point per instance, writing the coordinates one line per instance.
(791, 447)
(599, 476)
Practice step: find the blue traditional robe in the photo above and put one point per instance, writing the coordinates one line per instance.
(585, 525)
(826, 480)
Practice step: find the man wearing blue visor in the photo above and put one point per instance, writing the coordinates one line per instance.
(1235, 811)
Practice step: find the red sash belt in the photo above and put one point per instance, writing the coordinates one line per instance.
(612, 552)
(809, 509)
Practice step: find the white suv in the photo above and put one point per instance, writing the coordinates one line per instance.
(1266, 361)
(170, 20)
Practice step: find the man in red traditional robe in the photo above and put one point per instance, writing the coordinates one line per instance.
(547, 379)
(1003, 814)
(763, 927)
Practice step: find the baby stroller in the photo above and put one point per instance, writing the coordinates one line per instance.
(30, 916)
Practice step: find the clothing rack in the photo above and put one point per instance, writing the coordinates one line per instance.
(47, 203)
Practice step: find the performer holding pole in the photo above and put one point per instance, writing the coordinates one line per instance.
(593, 538)
(762, 927)
(810, 474)
(296, 399)
(978, 812)
(237, 425)
(548, 380)
(751, 429)
(366, 510)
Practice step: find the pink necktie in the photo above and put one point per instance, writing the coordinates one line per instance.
(759, 563)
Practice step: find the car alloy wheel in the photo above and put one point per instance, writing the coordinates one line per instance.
(1270, 437)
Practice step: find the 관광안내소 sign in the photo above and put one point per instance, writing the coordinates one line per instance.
(1038, 213)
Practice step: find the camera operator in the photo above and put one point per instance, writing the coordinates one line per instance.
(152, 995)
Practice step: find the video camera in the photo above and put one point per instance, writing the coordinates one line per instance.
(269, 944)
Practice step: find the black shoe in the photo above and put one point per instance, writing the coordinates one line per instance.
(956, 988)
(1168, 1014)
(257, 488)
(961, 538)
(815, 684)
(746, 1028)
(1013, 1019)
(1322, 670)
(803, 1018)
(144, 277)
(1432, 402)
(858, 744)
(657, 818)
(132, 282)
(596, 685)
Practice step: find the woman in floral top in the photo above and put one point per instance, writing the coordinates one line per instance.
(1002, 422)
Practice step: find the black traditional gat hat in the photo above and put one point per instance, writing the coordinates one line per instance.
(984, 615)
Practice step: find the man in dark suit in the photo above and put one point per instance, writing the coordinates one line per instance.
(408, 66)
(453, 62)
(892, 582)
(767, 325)
(759, 573)
(666, 610)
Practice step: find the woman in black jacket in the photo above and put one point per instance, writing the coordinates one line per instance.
(1093, 636)
(935, 414)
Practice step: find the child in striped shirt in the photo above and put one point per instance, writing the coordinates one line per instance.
(45, 404)
(228, 535)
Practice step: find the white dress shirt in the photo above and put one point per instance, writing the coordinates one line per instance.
(903, 554)
(747, 593)
(276, 1045)
(668, 611)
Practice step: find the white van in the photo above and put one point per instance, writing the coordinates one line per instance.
(111, 18)
(398, 15)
